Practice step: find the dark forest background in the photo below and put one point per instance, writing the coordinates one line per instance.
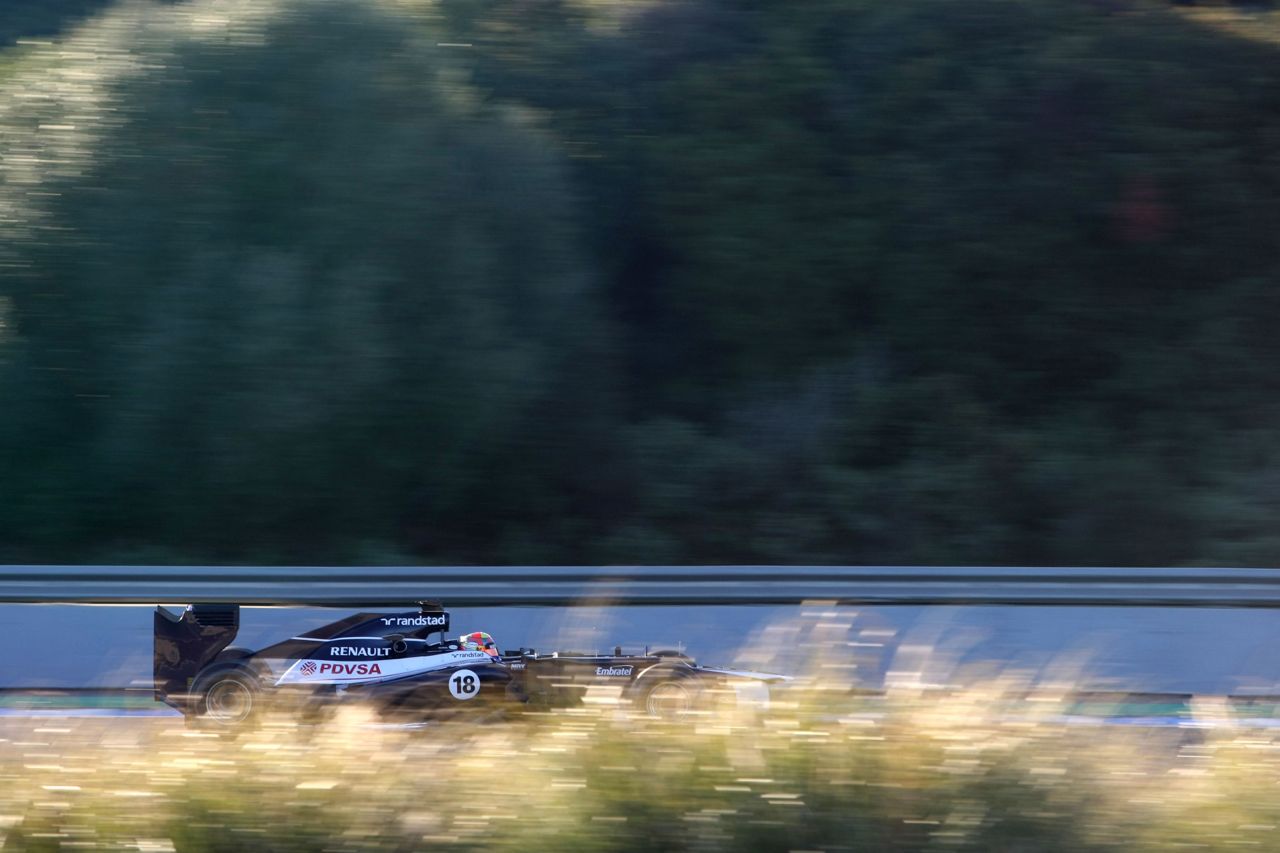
(545, 281)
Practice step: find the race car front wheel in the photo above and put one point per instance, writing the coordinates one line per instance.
(228, 698)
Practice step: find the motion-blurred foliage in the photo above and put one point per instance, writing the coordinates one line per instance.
(982, 770)
(558, 281)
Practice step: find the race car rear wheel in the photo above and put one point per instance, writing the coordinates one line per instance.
(671, 699)
(228, 698)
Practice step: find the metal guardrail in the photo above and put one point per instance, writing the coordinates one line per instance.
(473, 586)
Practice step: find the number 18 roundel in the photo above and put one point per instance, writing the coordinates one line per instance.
(464, 684)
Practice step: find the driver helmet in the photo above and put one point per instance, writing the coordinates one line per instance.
(479, 641)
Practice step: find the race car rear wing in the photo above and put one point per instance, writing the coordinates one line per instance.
(186, 644)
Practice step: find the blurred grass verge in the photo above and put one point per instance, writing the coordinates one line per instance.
(819, 769)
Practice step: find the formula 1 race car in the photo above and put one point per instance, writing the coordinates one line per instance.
(391, 661)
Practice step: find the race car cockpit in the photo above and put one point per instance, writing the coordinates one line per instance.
(479, 641)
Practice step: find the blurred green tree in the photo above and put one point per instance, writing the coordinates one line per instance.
(1031, 239)
(287, 289)
(824, 281)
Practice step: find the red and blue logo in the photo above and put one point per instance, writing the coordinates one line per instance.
(308, 667)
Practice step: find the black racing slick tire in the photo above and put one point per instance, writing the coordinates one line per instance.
(227, 698)
(232, 653)
(671, 698)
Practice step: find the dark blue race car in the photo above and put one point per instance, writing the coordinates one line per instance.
(404, 666)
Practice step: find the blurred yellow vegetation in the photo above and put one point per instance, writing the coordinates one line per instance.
(1257, 24)
(985, 768)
